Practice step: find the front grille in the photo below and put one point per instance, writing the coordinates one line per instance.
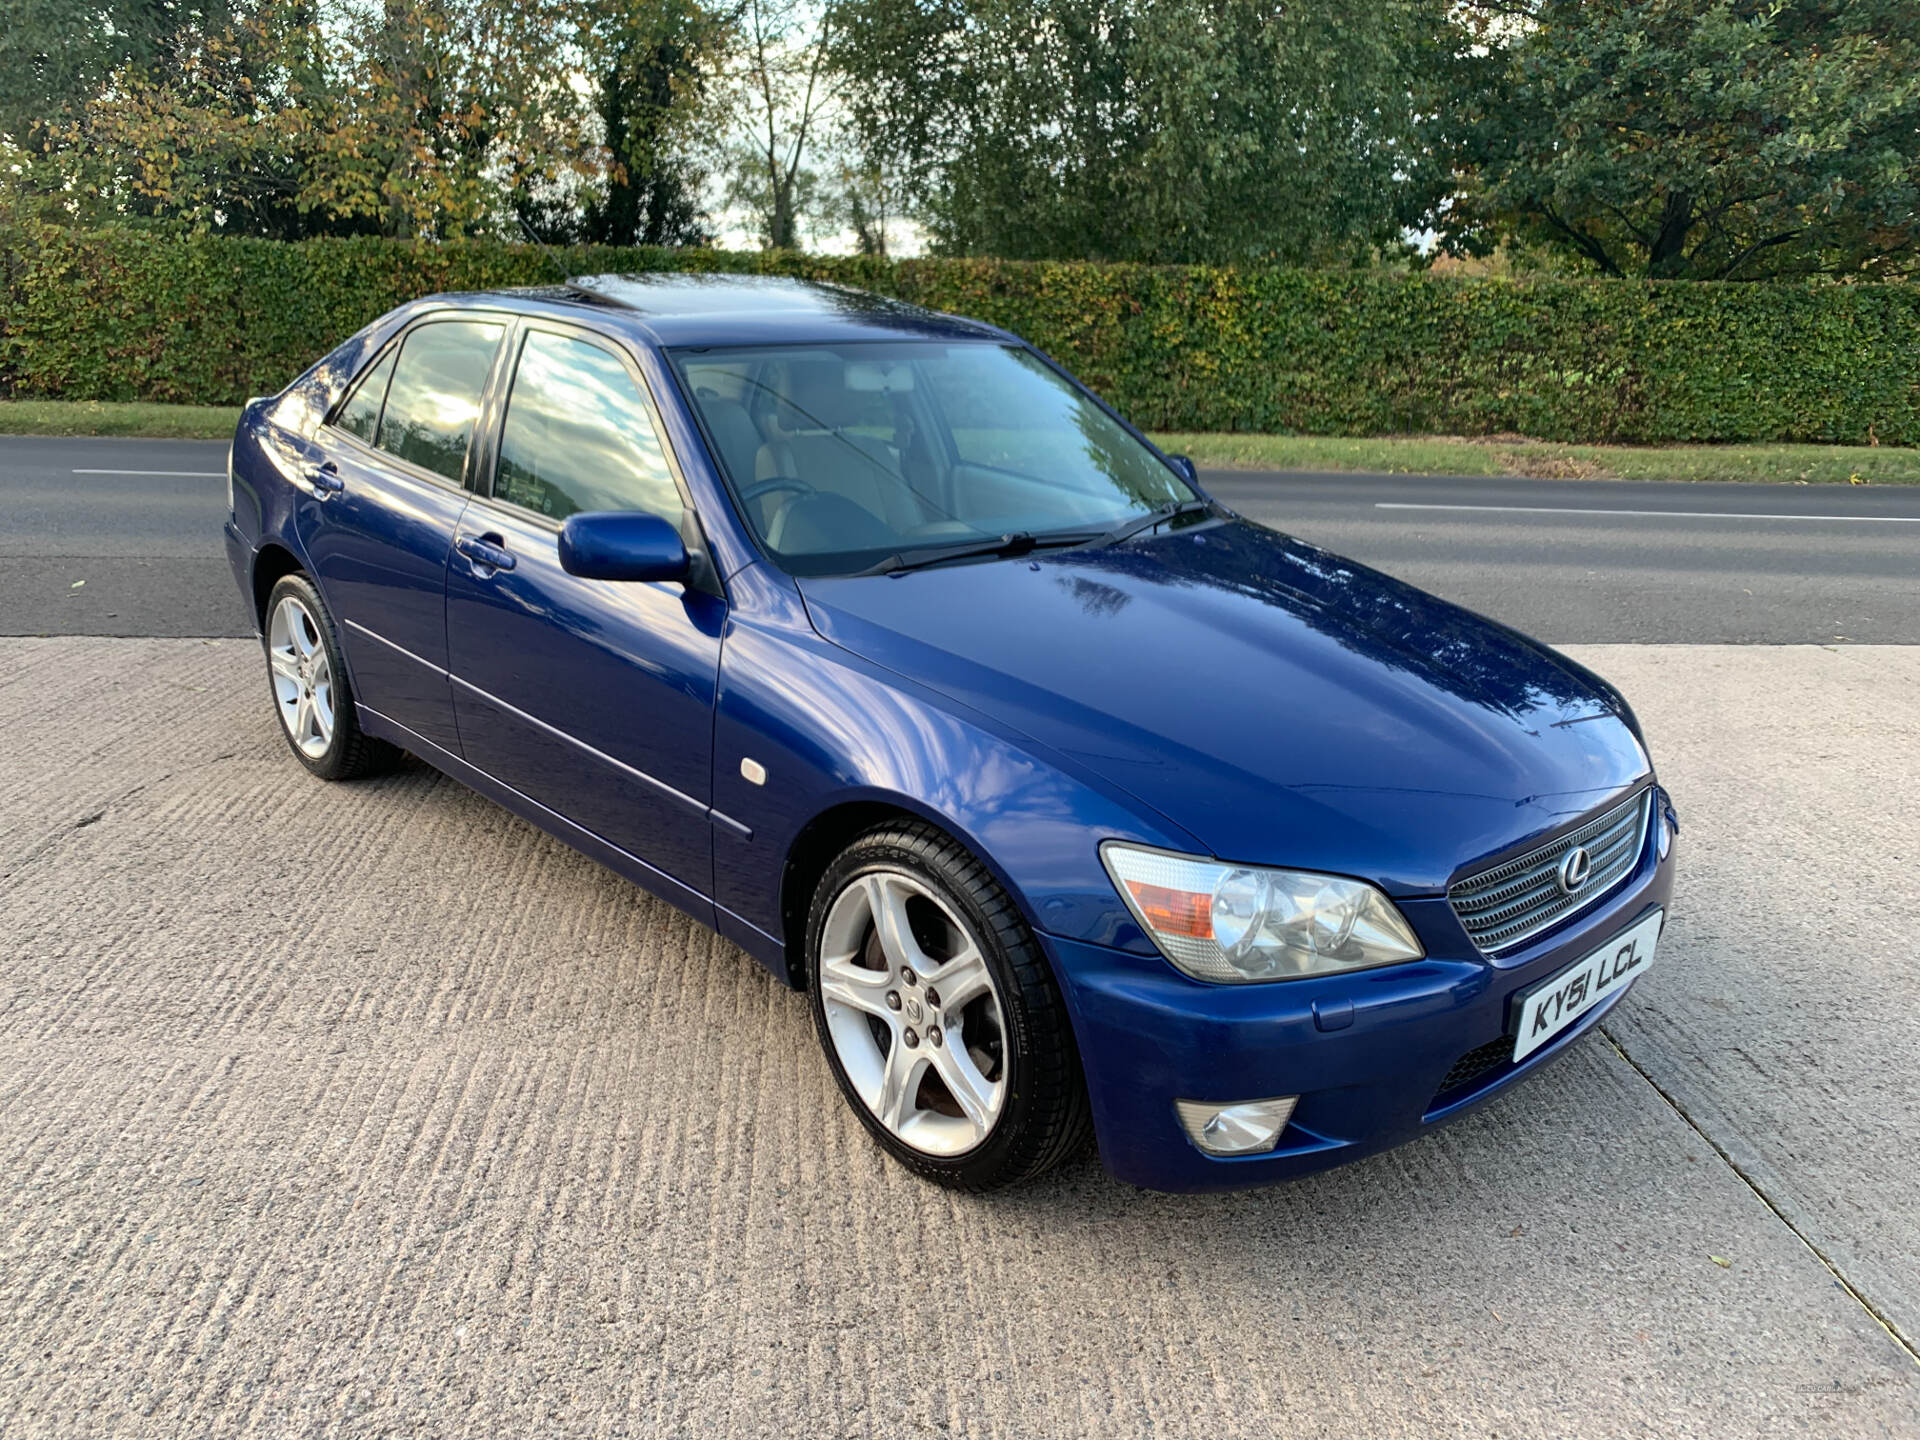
(1511, 903)
(1481, 1060)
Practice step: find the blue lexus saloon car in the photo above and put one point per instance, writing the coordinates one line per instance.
(866, 635)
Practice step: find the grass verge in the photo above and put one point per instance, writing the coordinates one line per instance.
(1393, 454)
(104, 417)
(1545, 459)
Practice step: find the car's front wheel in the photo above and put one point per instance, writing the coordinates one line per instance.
(310, 690)
(938, 1014)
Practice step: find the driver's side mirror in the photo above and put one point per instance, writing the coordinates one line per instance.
(1188, 470)
(622, 545)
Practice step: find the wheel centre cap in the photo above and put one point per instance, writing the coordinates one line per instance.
(914, 1009)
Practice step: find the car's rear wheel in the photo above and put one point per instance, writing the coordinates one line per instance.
(311, 694)
(938, 1014)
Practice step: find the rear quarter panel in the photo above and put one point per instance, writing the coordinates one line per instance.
(273, 443)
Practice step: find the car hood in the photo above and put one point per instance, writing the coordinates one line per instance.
(1280, 704)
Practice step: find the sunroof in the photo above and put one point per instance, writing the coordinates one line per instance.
(676, 293)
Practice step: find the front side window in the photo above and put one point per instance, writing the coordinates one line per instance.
(842, 454)
(578, 435)
(434, 397)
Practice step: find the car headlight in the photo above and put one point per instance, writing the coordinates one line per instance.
(1244, 923)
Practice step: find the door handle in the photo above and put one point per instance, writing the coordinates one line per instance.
(326, 480)
(488, 552)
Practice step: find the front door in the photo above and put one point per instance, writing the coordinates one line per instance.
(592, 697)
(387, 488)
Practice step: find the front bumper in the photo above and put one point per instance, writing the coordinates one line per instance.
(1366, 1053)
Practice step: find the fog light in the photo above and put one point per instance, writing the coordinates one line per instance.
(1244, 1128)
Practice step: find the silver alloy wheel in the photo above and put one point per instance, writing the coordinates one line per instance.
(913, 1012)
(302, 676)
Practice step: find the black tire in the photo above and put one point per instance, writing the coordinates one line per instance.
(351, 752)
(1045, 1117)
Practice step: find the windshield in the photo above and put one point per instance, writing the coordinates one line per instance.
(844, 454)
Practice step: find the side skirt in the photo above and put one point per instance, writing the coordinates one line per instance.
(765, 948)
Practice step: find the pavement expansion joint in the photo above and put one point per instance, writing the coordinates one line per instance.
(1840, 1279)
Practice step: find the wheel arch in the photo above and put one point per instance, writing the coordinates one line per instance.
(272, 563)
(821, 840)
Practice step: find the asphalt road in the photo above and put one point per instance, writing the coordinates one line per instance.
(1600, 561)
(368, 1110)
(114, 537)
(138, 522)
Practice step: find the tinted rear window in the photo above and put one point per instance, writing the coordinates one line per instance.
(434, 398)
(361, 414)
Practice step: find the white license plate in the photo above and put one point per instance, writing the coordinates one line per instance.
(1562, 998)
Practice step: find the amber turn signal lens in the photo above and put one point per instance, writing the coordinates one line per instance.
(1174, 912)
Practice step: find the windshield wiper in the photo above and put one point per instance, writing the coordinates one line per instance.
(1017, 542)
(1152, 518)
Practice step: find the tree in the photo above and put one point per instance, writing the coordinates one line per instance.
(1685, 139)
(865, 199)
(55, 57)
(281, 118)
(199, 131)
(650, 63)
(1157, 130)
(781, 87)
(442, 108)
(56, 54)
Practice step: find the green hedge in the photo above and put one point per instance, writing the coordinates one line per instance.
(121, 315)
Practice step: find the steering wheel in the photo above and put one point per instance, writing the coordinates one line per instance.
(775, 485)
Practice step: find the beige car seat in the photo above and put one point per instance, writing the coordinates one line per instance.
(809, 439)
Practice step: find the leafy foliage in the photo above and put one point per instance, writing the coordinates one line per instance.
(1711, 139)
(1156, 130)
(406, 118)
(56, 54)
(1705, 139)
(651, 66)
(119, 315)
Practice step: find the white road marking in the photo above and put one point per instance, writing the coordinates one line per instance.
(196, 474)
(1657, 514)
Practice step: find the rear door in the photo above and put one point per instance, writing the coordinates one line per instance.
(387, 496)
(592, 697)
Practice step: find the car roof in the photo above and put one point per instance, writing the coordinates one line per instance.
(683, 309)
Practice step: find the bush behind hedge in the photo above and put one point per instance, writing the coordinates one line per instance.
(126, 315)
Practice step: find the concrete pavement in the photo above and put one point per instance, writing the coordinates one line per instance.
(1789, 1034)
(368, 1110)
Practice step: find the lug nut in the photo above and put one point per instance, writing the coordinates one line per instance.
(893, 999)
(911, 1039)
(933, 997)
(933, 1036)
(907, 975)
